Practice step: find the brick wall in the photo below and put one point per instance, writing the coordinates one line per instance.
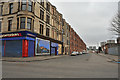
(76, 43)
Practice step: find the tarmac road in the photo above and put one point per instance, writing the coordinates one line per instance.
(81, 66)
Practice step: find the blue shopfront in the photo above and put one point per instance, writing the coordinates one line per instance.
(27, 44)
(17, 44)
(54, 48)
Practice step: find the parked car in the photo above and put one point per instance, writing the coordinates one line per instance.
(84, 52)
(77, 53)
(74, 53)
(80, 53)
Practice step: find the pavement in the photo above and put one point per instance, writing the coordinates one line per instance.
(111, 58)
(30, 59)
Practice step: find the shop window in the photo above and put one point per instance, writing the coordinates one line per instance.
(0, 25)
(10, 8)
(9, 25)
(29, 21)
(47, 31)
(24, 4)
(41, 15)
(41, 29)
(1, 10)
(29, 5)
(42, 47)
(22, 21)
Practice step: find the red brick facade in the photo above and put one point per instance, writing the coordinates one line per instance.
(76, 43)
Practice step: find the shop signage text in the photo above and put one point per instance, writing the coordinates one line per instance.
(11, 35)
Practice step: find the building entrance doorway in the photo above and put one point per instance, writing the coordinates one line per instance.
(54, 51)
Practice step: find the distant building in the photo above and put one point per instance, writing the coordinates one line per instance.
(103, 46)
(110, 47)
(110, 41)
(92, 47)
(102, 43)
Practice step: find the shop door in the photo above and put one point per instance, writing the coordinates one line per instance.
(31, 48)
(54, 51)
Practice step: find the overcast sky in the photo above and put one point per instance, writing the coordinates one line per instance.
(90, 19)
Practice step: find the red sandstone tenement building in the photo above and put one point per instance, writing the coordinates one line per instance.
(76, 43)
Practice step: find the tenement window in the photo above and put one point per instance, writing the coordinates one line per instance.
(29, 21)
(47, 31)
(57, 35)
(10, 8)
(42, 2)
(67, 42)
(9, 25)
(41, 29)
(1, 10)
(48, 7)
(48, 19)
(0, 25)
(41, 15)
(29, 5)
(24, 4)
(17, 23)
(22, 21)
(52, 33)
